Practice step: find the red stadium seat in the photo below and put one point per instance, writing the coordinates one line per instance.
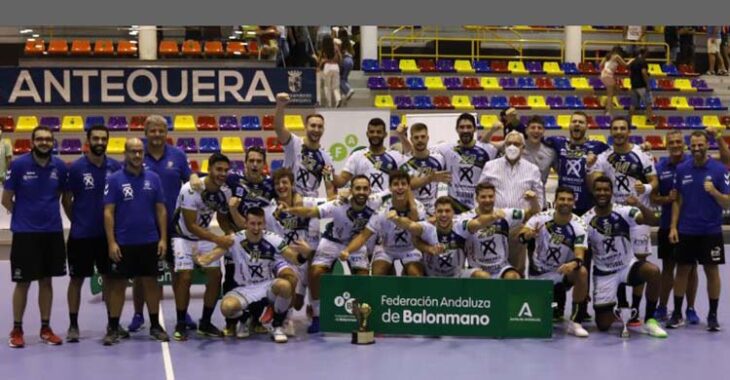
(396, 83)
(442, 102)
(207, 123)
(21, 146)
(137, 123)
(267, 123)
(7, 124)
(253, 48)
(427, 65)
(273, 145)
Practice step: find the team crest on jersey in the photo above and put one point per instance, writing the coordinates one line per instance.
(88, 181)
(54, 174)
(127, 192)
(147, 185)
(170, 164)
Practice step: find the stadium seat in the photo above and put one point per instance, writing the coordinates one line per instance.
(657, 143)
(184, 123)
(213, 49)
(597, 137)
(370, 66)
(676, 122)
(136, 123)
(490, 84)
(187, 144)
(35, 47)
(267, 123)
(404, 102)
(680, 103)
(580, 83)
(471, 83)
(666, 85)
(545, 83)
(517, 67)
(58, 47)
(670, 69)
(552, 68)
(622, 70)
(231, 144)
(482, 66)
(453, 83)
(694, 122)
(394, 122)
(591, 102)
(103, 48)
(415, 83)
(480, 102)
(564, 121)
(587, 68)
(498, 102)
(463, 66)
(639, 122)
(434, 83)
(384, 101)
(423, 102)
(661, 122)
(711, 121)
(71, 146)
(526, 83)
(194, 166)
(408, 66)
(276, 164)
(396, 83)
(26, 124)
(206, 123)
(686, 70)
(537, 102)
(461, 102)
(191, 48)
(80, 48)
(508, 83)
(625, 84)
(498, 66)
(210, 145)
(569, 68)
(725, 120)
(273, 145)
(294, 122)
(427, 66)
(715, 104)
(235, 49)
(442, 102)
(116, 145)
(574, 102)
(253, 48)
(550, 122)
(250, 142)
(117, 123)
(7, 124)
(389, 66)
(250, 123)
(518, 101)
(52, 122)
(487, 120)
(555, 102)
(700, 85)
(562, 83)
(596, 83)
(93, 120)
(534, 67)
(204, 166)
(591, 123)
(169, 48)
(656, 71)
(21, 146)
(683, 84)
(603, 121)
(126, 48)
(445, 65)
(377, 83)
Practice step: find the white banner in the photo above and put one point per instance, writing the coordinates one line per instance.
(345, 130)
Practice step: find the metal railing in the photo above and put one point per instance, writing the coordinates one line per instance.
(611, 44)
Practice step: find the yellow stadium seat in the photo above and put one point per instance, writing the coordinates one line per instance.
(552, 68)
(72, 124)
(204, 166)
(490, 83)
(463, 66)
(684, 85)
(184, 123)
(488, 120)
(408, 66)
(601, 138)
(580, 83)
(626, 83)
(116, 145)
(26, 124)
(656, 71)
(231, 144)
(537, 102)
(517, 67)
(434, 83)
(294, 122)
(461, 102)
(639, 121)
(384, 101)
(711, 121)
(564, 121)
(680, 103)
(602, 101)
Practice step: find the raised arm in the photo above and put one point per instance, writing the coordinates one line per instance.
(282, 99)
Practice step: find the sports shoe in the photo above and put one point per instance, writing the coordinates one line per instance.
(634, 322)
(122, 333)
(72, 335)
(574, 328)
(652, 328)
(675, 321)
(230, 330)
(277, 334)
(289, 328)
(157, 333)
(660, 314)
(267, 316)
(314, 327)
(190, 322)
(16, 338)
(243, 331)
(349, 94)
(181, 332)
(48, 337)
(111, 337)
(208, 329)
(692, 317)
(137, 323)
(712, 324)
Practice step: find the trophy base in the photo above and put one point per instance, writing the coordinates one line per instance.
(363, 337)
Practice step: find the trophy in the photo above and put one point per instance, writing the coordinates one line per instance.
(624, 314)
(362, 312)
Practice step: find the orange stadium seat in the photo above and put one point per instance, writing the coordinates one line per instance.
(169, 48)
(80, 47)
(191, 48)
(103, 48)
(253, 48)
(235, 48)
(213, 48)
(58, 47)
(35, 47)
(126, 48)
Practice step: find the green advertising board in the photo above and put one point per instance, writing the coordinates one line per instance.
(439, 306)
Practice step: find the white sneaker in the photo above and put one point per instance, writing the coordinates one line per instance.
(289, 328)
(652, 328)
(277, 334)
(243, 330)
(574, 328)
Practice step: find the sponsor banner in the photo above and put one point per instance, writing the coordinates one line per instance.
(154, 86)
(344, 132)
(440, 306)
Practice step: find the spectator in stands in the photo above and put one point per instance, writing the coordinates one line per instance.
(328, 73)
(283, 46)
(671, 38)
(6, 154)
(302, 50)
(686, 45)
(268, 36)
(724, 48)
(346, 65)
(713, 51)
(608, 65)
(511, 121)
(639, 74)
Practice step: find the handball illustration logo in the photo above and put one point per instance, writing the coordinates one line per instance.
(295, 80)
(345, 300)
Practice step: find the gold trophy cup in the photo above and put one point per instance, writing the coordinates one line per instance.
(362, 312)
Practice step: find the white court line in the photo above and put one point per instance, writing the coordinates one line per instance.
(166, 358)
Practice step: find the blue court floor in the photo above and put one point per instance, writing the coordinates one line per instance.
(689, 353)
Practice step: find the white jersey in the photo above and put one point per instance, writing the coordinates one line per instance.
(451, 262)
(465, 164)
(347, 222)
(306, 165)
(395, 239)
(610, 237)
(257, 262)
(294, 228)
(555, 243)
(489, 246)
(376, 167)
(206, 204)
(423, 167)
(625, 170)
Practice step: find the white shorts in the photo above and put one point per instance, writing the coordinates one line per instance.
(555, 277)
(303, 279)
(641, 239)
(249, 294)
(466, 273)
(605, 287)
(184, 249)
(713, 45)
(329, 251)
(406, 257)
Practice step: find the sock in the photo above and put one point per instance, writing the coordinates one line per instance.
(575, 312)
(74, 319)
(621, 293)
(315, 308)
(650, 309)
(155, 320)
(635, 301)
(45, 323)
(678, 305)
(279, 319)
(113, 323)
(230, 322)
(18, 325)
(281, 304)
(181, 316)
(207, 313)
(713, 306)
(559, 295)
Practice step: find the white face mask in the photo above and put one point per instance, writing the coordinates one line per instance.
(512, 152)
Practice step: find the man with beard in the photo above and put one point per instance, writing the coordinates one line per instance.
(193, 213)
(427, 169)
(305, 157)
(560, 245)
(135, 221)
(33, 188)
(536, 151)
(349, 218)
(610, 227)
(397, 242)
(83, 202)
(374, 162)
(702, 188)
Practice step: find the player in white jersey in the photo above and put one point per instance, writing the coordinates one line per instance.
(376, 163)
(427, 169)
(193, 213)
(258, 255)
(609, 233)
(305, 157)
(349, 218)
(397, 242)
(560, 245)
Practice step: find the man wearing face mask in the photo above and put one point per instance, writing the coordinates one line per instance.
(511, 177)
